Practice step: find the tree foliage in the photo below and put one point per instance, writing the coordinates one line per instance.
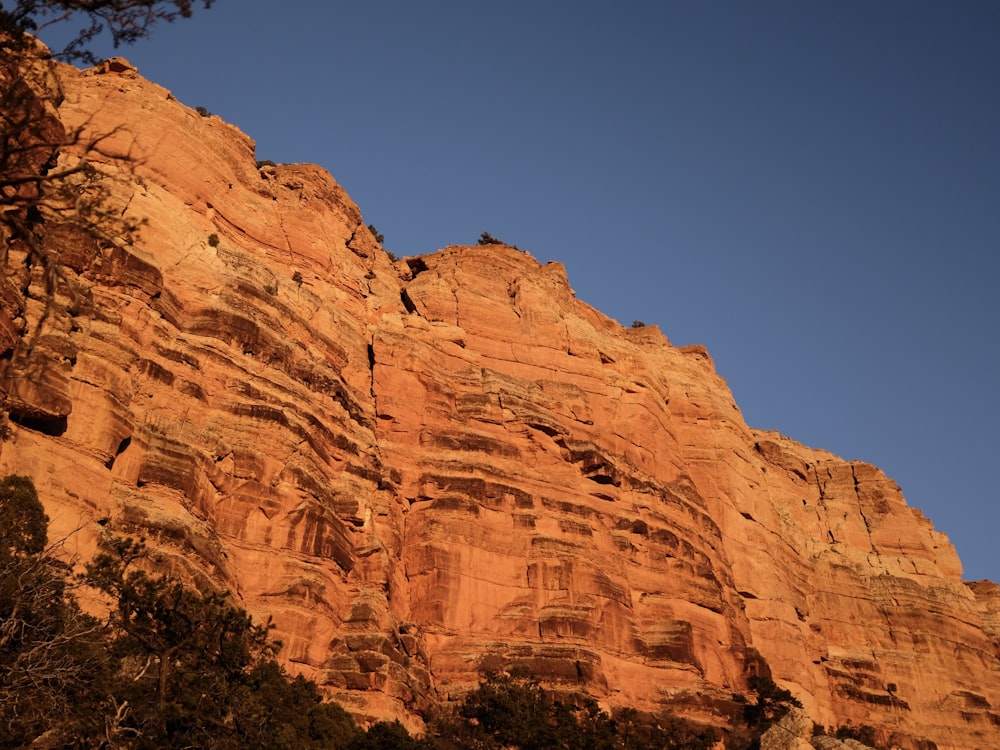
(174, 666)
(766, 705)
(508, 711)
(170, 666)
(384, 735)
(25, 526)
(488, 239)
(51, 661)
(196, 670)
(53, 193)
(179, 648)
(126, 21)
(769, 703)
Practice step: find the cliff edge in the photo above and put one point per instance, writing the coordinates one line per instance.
(427, 468)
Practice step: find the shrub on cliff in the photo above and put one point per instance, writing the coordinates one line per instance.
(488, 239)
(766, 705)
(865, 733)
(770, 702)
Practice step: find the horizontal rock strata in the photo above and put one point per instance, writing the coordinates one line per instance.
(428, 468)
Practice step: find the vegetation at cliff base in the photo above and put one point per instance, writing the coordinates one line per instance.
(767, 704)
(169, 666)
(47, 646)
(172, 665)
(515, 711)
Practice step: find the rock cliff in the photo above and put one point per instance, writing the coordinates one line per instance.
(425, 468)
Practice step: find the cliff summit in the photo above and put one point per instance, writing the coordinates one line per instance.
(429, 468)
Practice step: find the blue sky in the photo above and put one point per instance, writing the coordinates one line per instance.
(809, 189)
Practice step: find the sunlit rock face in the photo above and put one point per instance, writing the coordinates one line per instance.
(428, 468)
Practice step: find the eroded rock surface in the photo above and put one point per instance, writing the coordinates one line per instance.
(427, 468)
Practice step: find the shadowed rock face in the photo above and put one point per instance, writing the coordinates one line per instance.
(430, 468)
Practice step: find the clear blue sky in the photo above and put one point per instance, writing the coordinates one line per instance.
(809, 189)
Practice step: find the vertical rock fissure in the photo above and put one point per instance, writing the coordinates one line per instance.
(821, 503)
(371, 366)
(354, 233)
(512, 288)
(284, 233)
(127, 203)
(407, 302)
(371, 386)
(454, 294)
(819, 486)
(861, 510)
(373, 394)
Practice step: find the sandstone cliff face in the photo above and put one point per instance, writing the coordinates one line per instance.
(429, 468)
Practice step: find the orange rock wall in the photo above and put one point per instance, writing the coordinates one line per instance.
(428, 468)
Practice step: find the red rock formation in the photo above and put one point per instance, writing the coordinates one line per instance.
(429, 468)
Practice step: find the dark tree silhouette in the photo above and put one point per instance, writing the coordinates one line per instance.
(508, 711)
(488, 239)
(170, 666)
(126, 21)
(51, 193)
(51, 660)
(24, 530)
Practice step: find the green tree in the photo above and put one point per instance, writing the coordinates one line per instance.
(512, 711)
(196, 671)
(25, 526)
(770, 702)
(52, 664)
(184, 653)
(766, 705)
(386, 735)
(517, 712)
(170, 667)
(277, 712)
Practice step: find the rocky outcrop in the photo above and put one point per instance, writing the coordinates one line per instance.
(428, 468)
(796, 731)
